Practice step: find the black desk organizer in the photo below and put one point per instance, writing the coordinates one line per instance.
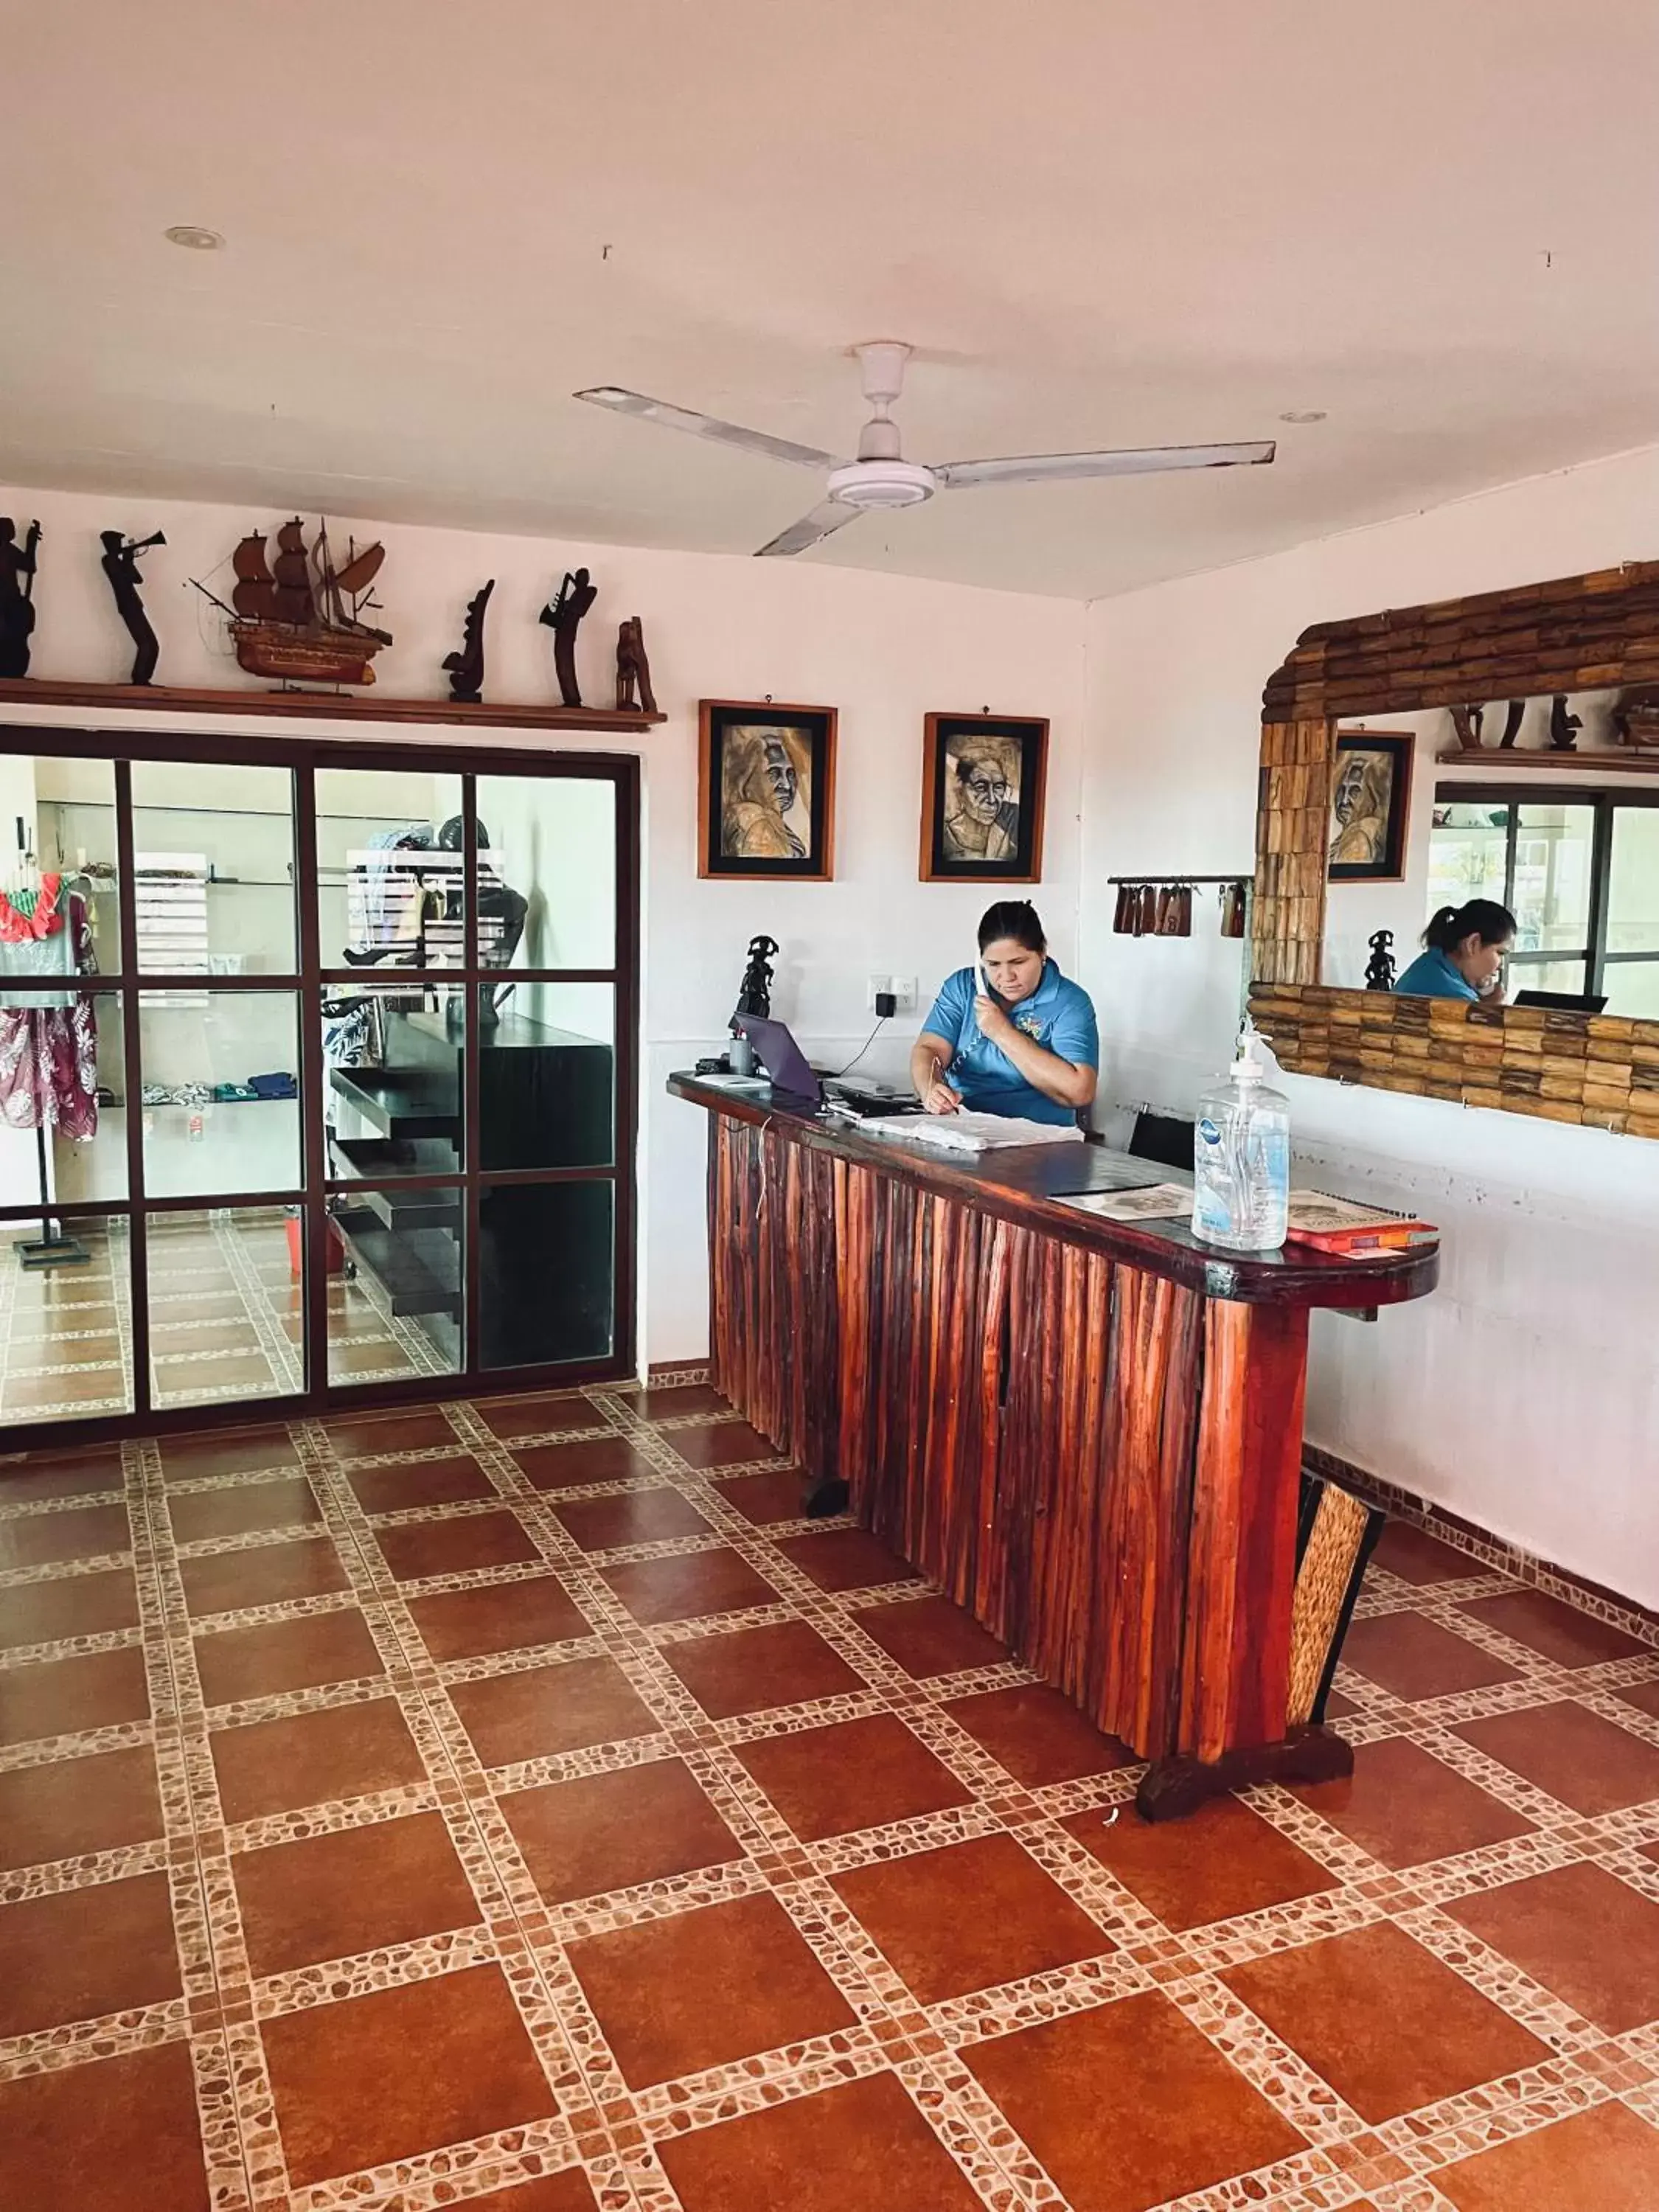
(545, 1251)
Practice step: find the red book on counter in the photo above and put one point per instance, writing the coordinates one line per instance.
(1337, 1224)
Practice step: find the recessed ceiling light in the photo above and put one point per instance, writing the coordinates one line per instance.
(1303, 415)
(192, 235)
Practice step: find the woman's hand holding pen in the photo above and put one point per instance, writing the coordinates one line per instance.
(938, 1098)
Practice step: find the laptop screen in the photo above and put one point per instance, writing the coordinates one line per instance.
(780, 1056)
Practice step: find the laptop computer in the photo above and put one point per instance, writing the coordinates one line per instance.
(782, 1059)
(1565, 1002)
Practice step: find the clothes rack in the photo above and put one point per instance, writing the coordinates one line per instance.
(54, 1247)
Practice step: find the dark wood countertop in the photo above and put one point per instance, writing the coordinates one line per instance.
(1023, 1184)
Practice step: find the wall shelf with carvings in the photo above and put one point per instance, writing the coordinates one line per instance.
(174, 699)
(1605, 762)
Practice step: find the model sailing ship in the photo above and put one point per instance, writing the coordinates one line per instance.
(290, 618)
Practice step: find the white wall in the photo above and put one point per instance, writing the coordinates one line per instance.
(884, 650)
(1524, 1394)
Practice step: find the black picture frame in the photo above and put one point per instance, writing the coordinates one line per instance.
(1017, 747)
(741, 831)
(1371, 806)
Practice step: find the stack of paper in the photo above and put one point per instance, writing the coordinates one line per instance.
(970, 1133)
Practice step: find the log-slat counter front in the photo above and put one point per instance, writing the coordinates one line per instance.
(1087, 1432)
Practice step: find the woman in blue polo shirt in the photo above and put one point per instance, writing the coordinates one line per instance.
(1462, 955)
(1028, 1047)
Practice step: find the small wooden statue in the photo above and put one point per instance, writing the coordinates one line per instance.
(17, 567)
(466, 667)
(632, 669)
(120, 565)
(1466, 721)
(564, 616)
(1636, 718)
(1379, 969)
(755, 992)
(1563, 727)
(1512, 722)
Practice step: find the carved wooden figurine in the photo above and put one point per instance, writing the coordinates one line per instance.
(632, 669)
(1512, 722)
(1379, 969)
(17, 566)
(1636, 718)
(564, 618)
(1563, 727)
(755, 992)
(1466, 721)
(120, 565)
(466, 666)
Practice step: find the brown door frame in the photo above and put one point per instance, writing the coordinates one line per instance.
(302, 758)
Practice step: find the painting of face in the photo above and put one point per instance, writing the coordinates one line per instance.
(1369, 802)
(766, 775)
(983, 799)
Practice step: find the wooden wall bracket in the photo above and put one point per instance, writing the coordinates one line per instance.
(175, 699)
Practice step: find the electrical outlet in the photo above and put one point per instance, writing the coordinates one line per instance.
(902, 988)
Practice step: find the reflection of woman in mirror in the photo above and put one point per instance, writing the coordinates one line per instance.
(1360, 804)
(1463, 954)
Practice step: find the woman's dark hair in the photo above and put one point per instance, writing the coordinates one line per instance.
(1482, 918)
(1015, 918)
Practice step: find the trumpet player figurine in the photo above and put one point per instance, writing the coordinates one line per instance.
(120, 565)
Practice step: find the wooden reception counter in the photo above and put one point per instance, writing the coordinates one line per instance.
(1088, 1433)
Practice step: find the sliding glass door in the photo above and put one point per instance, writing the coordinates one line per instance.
(322, 1091)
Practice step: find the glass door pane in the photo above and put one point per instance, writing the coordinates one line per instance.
(219, 1283)
(1553, 848)
(1468, 852)
(547, 877)
(547, 1077)
(213, 867)
(73, 803)
(396, 1284)
(220, 1097)
(1633, 988)
(389, 868)
(394, 1099)
(546, 1275)
(1633, 881)
(66, 1330)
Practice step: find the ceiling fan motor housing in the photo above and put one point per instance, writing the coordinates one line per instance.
(882, 482)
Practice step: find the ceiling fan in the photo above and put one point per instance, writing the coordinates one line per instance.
(881, 478)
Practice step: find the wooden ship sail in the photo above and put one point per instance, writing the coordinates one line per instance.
(290, 618)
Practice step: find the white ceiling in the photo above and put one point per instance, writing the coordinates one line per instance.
(1101, 222)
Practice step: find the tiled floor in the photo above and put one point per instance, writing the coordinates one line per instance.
(225, 1321)
(518, 1807)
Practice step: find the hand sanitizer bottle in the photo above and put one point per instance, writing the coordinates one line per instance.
(1241, 1157)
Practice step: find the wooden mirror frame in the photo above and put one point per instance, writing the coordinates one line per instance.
(1588, 633)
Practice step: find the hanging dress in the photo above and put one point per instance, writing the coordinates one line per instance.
(48, 1043)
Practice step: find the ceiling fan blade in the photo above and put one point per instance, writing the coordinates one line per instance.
(826, 518)
(1133, 461)
(705, 426)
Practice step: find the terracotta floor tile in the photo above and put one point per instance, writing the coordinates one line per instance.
(74, 1532)
(233, 1663)
(83, 1952)
(1588, 1763)
(250, 1375)
(583, 1460)
(314, 1758)
(1559, 1631)
(61, 1696)
(1416, 1557)
(246, 1509)
(1405, 1807)
(861, 2147)
(69, 1605)
(701, 1989)
(1341, 2002)
(929, 1636)
(612, 1830)
(347, 2096)
(778, 1495)
(1037, 1734)
(695, 1586)
(232, 1451)
(555, 2193)
(332, 1896)
(636, 1517)
(419, 1482)
(372, 1433)
(538, 1712)
(1221, 1861)
(1414, 1657)
(970, 1916)
(845, 1559)
(62, 1474)
(1644, 1696)
(374, 1355)
(673, 1402)
(497, 1617)
(414, 1549)
(1182, 2117)
(1590, 1938)
(67, 1391)
(750, 1670)
(726, 1443)
(74, 1806)
(1602, 2161)
(267, 1574)
(1337, 1707)
(120, 2134)
(854, 1774)
(541, 1416)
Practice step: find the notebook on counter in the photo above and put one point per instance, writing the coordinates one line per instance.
(969, 1133)
(1338, 1225)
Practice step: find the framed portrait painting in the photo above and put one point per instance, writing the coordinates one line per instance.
(1371, 806)
(766, 790)
(983, 781)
